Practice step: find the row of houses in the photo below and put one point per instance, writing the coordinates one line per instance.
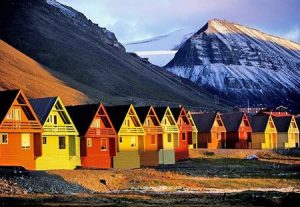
(43, 134)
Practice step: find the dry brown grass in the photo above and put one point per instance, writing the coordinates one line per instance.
(19, 71)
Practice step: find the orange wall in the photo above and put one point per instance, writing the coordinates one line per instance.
(12, 154)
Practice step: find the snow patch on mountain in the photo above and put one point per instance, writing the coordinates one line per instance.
(64, 10)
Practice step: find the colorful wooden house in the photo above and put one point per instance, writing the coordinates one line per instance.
(170, 135)
(238, 130)
(60, 142)
(185, 133)
(211, 130)
(264, 133)
(298, 124)
(153, 135)
(20, 131)
(130, 136)
(194, 143)
(97, 135)
(287, 132)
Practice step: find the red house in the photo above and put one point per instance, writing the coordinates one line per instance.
(238, 130)
(185, 133)
(98, 137)
(20, 131)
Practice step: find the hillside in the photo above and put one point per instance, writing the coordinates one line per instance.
(241, 63)
(19, 71)
(65, 41)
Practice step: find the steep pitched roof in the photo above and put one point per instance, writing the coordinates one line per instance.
(259, 122)
(117, 115)
(142, 112)
(82, 116)
(282, 123)
(42, 107)
(6, 100)
(160, 112)
(204, 122)
(298, 121)
(176, 112)
(232, 121)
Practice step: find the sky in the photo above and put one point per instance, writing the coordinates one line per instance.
(134, 20)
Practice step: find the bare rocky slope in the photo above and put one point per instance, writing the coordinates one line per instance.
(90, 58)
(241, 63)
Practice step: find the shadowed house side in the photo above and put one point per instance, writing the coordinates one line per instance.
(170, 135)
(194, 143)
(131, 134)
(211, 130)
(20, 131)
(264, 133)
(185, 133)
(287, 132)
(238, 130)
(97, 135)
(60, 142)
(153, 135)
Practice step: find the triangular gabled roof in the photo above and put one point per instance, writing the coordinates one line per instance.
(160, 112)
(83, 116)
(189, 115)
(282, 123)
(204, 122)
(232, 121)
(259, 122)
(176, 112)
(6, 100)
(42, 107)
(142, 112)
(117, 114)
(298, 121)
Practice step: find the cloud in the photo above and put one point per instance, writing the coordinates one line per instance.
(133, 20)
(293, 34)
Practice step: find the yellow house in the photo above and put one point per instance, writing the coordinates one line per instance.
(287, 132)
(131, 136)
(170, 135)
(60, 142)
(264, 132)
(194, 132)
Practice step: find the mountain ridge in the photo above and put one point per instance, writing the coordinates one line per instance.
(240, 63)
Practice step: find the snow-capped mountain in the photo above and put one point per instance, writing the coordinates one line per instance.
(241, 63)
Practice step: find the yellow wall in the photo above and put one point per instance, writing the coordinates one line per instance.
(132, 143)
(53, 157)
(167, 154)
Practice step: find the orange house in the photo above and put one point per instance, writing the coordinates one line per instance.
(185, 133)
(98, 138)
(153, 135)
(20, 131)
(211, 130)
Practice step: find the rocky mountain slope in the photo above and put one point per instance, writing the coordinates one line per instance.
(241, 63)
(67, 43)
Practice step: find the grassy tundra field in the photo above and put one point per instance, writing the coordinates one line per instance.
(209, 177)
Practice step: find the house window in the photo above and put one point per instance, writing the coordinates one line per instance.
(219, 121)
(25, 141)
(49, 120)
(169, 138)
(103, 144)
(294, 124)
(9, 115)
(153, 139)
(271, 124)
(17, 114)
(62, 142)
(246, 123)
(165, 121)
(44, 140)
(96, 123)
(89, 142)
(121, 139)
(4, 139)
(148, 122)
(128, 123)
(132, 142)
(54, 119)
(183, 137)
